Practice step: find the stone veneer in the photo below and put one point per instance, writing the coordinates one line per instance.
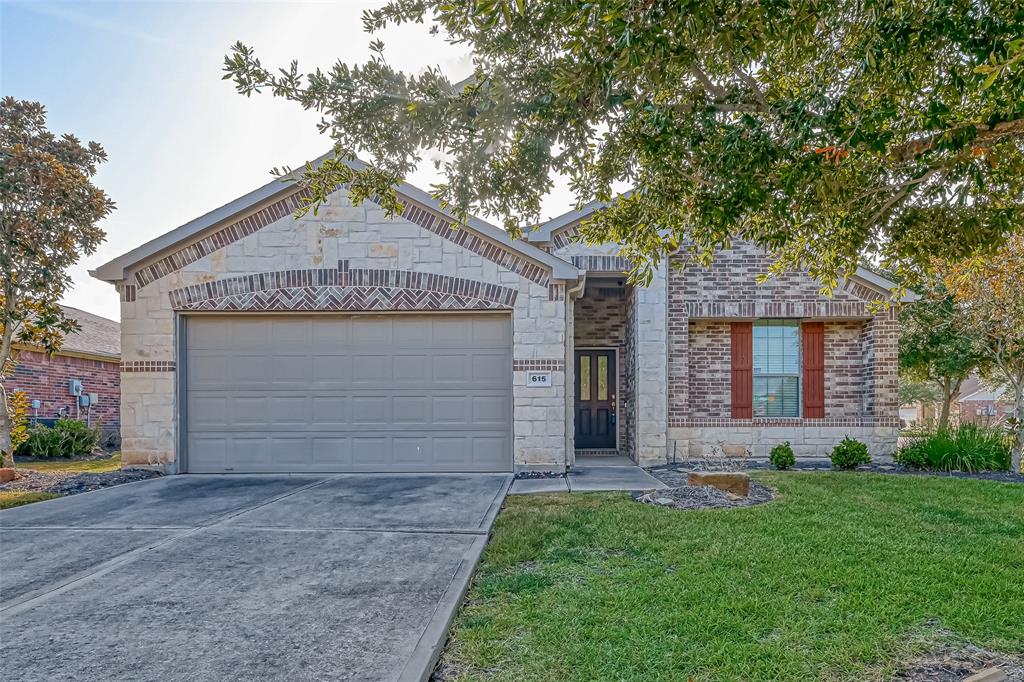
(643, 358)
(242, 266)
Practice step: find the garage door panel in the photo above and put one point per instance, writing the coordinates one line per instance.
(412, 410)
(290, 369)
(332, 453)
(290, 452)
(332, 411)
(248, 411)
(372, 369)
(372, 410)
(371, 331)
(349, 393)
(371, 452)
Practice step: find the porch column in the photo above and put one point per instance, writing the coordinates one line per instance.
(651, 344)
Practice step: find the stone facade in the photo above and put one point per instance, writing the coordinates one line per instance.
(672, 336)
(344, 258)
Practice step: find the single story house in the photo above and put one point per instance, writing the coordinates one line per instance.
(348, 340)
(88, 364)
(985, 405)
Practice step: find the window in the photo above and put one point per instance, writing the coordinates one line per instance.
(776, 368)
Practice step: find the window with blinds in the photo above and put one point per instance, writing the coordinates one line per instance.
(776, 350)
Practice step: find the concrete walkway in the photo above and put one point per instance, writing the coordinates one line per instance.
(592, 474)
(196, 578)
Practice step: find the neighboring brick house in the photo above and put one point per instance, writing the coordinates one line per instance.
(353, 341)
(984, 405)
(91, 355)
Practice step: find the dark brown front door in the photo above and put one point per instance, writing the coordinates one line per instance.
(595, 399)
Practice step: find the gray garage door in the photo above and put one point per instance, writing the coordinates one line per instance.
(335, 393)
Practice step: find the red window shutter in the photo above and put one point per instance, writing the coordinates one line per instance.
(742, 370)
(814, 370)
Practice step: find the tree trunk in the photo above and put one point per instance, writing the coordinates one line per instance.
(1018, 441)
(947, 399)
(6, 425)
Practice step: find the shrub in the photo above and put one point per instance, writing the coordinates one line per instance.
(18, 406)
(67, 437)
(782, 456)
(850, 454)
(967, 447)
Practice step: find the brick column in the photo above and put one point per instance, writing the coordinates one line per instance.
(652, 370)
(881, 359)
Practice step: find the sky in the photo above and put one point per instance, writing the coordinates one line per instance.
(144, 80)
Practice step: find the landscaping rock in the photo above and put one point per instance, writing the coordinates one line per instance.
(731, 482)
(7, 475)
(82, 483)
(704, 497)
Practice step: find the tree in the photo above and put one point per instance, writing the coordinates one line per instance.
(48, 214)
(990, 290)
(822, 131)
(938, 347)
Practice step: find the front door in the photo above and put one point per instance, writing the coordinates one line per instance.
(595, 399)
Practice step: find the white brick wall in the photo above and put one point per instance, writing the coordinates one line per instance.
(367, 238)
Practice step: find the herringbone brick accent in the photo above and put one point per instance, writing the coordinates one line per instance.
(343, 288)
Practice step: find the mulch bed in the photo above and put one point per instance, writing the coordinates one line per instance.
(70, 483)
(754, 464)
(529, 475)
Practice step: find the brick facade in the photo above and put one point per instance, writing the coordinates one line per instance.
(860, 358)
(46, 379)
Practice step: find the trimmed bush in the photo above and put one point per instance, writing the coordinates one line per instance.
(67, 438)
(782, 456)
(850, 454)
(967, 447)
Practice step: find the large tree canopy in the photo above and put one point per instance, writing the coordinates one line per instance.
(49, 211)
(824, 130)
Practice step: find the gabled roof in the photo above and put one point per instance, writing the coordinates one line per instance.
(117, 269)
(97, 337)
(546, 231)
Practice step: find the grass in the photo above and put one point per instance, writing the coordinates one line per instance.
(839, 578)
(92, 466)
(16, 498)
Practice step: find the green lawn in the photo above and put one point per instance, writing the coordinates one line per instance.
(840, 578)
(92, 466)
(16, 498)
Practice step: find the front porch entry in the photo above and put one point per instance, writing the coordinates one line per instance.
(596, 390)
(603, 368)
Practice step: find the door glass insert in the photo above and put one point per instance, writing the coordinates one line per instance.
(584, 377)
(602, 377)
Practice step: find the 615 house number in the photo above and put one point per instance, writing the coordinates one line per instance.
(538, 378)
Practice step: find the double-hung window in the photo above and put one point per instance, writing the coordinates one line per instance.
(776, 360)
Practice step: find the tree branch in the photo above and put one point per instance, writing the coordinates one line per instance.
(987, 135)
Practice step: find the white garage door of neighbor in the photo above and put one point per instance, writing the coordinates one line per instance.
(341, 393)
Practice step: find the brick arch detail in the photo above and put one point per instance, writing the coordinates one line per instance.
(426, 218)
(343, 289)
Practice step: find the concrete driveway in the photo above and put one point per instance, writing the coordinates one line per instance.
(241, 577)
